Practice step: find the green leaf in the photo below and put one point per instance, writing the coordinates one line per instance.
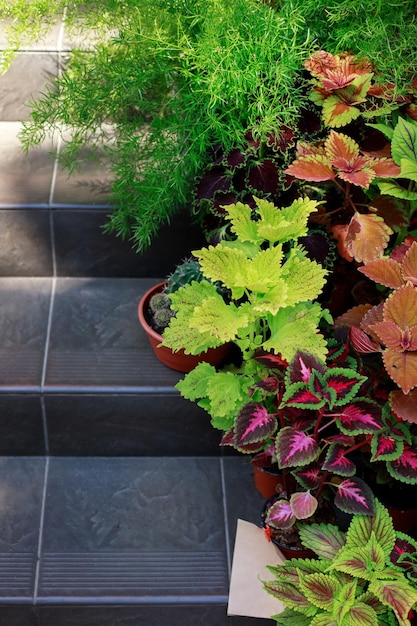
(397, 594)
(296, 327)
(224, 264)
(404, 141)
(320, 589)
(289, 617)
(361, 614)
(391, 188)
(290, 595)
(227, 392)
(361, 561)
(194, 384)
(323, 619)
(305, 278)
(287, 223)
(324, 539)
(242, 223)
(409, 169)
(386, 130)
(380, 524)
(217, 319)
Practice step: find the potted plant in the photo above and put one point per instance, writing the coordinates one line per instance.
(155, 312)
(365, 576)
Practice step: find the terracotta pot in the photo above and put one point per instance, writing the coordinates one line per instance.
(265, 478)
(178, 361)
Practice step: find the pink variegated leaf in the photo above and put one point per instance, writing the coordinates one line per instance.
(303, 504)
(360, 417)
(405, 467)
(345, 382)
(308, 477)
(270, 385)
(300, 395)
(354, 496)
(385, 447)
(280, 515)
(341, 439)
(295, 447)
(363, 342)
(253, 424)
(337, 462)
(302, 365)
(228, 439)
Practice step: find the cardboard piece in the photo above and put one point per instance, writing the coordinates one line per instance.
(252, 553)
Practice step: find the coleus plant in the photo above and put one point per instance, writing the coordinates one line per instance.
(362, 577)
(272, 285)
(320, 421)
(358, 161)
(389, 328)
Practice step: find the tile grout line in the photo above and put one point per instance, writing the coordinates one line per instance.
(48, 334)
(41, 529)
(225, 518)
(44, 426)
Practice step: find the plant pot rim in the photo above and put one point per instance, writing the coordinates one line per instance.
(141, 310)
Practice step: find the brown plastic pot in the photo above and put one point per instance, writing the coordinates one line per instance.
(178, 361)
(265, 479)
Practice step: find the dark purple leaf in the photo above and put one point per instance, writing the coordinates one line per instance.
(253, 424)
(264, 177)
(359, 417)
(354, 496)
(211, 183)
(295, 447)
(337, 462)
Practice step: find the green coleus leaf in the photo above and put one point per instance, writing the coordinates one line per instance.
(227, 393)
(194, 384)
(226, 265)
(404, 141)
(222, 321)
(399, 595)
(320, 589)
(289, 617)
(324, 539)
(323, 619)
(391, 188)
(290, 595)
(361, 614)
(179, 335)
(409, 169)
(296, 326)
(361, 561)
(288, 223)
(242, 224)
(292, 568)
(253, 424)
(344, 600)
(295, 447)
(305, 278)
(362, 527)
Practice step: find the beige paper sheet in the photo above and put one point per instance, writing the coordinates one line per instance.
(252, 553)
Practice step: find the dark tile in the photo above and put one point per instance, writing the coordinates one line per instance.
(132, 528)
(25, 243)
(242, 499)
(161, 615)
(18, 616)
(123, 425)
(96, 338)
(25, 179)
(21, 500)
(25, 80)
(24, 308)
(21, 425)
(83, 249)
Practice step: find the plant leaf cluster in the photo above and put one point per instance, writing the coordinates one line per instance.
(362, 577)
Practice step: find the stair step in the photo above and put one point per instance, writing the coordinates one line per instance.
(78, 377)
(142, 539)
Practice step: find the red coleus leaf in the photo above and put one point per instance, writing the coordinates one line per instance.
(401, 308)
(309, 477)
(403, 547)
(344, 382)
(302, 365)
(337, 462)
(385, 168)
(340, 232)
(354, 496)
(301, 396)
(295, 447)
(335, 71)
(303, 504)
(367, 237)
(253, 424)
(270, 385)
(280, 515)
(404, 468)
(362, 342)
(385, 447)
(360, 417)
